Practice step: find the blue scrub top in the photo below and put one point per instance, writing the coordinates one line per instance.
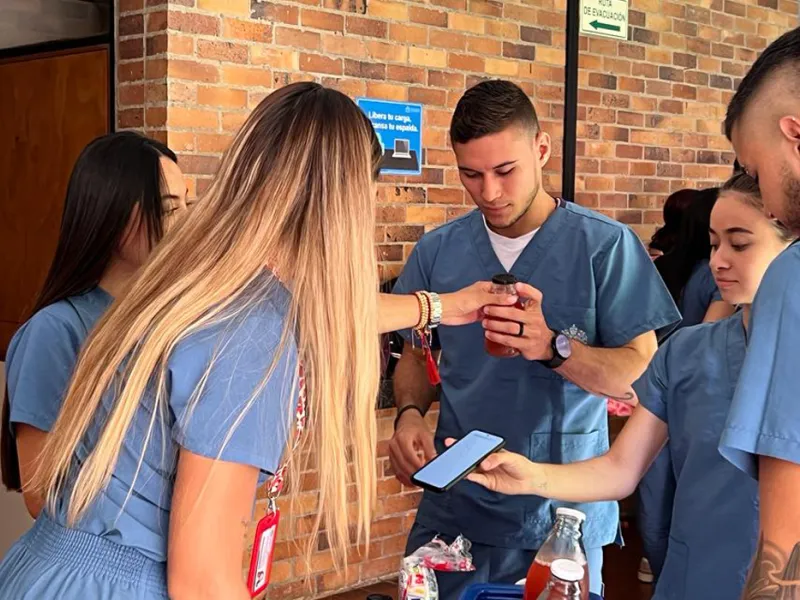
(764, 419)
(239, 352)
(600, 286)
(698, 294)
(657, 488)
(43, 353)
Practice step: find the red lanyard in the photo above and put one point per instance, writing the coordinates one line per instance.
(267, 528)
(278, 480)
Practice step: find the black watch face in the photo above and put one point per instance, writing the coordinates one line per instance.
(563, 346)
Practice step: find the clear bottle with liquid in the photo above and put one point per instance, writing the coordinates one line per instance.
(564, 542)
(502, 284)
(566, 581)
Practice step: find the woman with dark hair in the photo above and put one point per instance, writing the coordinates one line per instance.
(663, 239)
(684, 268)
(123, 193)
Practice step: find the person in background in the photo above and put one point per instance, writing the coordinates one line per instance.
(124, 192)
(685, 270)
(663, 240)
(762, 435)
(261, 305)
(684, 398)
(593, 301)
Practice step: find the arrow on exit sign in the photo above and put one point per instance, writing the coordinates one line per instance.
(607, 26)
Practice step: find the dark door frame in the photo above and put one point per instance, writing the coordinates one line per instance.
(94, 42)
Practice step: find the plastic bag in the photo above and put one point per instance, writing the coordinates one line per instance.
(418, 574)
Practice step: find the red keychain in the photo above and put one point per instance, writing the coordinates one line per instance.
(263, 550)
(262, 556)
(430, 362)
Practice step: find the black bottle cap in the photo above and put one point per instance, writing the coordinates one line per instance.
(504, 279)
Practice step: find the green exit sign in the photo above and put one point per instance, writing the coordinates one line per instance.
(605, 18)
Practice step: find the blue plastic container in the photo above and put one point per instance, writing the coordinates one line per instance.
(494, 591)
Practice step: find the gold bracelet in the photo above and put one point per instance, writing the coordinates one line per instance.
(423, 311)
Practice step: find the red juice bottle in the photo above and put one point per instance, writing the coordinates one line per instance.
(502, 284)
(566, 581)
(564, 541)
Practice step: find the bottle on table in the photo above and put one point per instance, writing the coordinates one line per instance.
(566, 581)
(502, 284)
(564, 542)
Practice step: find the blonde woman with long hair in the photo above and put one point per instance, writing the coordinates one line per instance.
(182, 399)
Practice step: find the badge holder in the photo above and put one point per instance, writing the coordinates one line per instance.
(262, 556)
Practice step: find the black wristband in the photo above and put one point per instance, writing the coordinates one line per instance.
(400, 412)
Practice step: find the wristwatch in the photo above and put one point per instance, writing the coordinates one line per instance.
(562, 350)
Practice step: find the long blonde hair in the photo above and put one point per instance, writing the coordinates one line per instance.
(294, 192)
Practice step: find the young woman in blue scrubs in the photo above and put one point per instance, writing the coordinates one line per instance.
(685, 269)
(183, 398)
(684, 399)
(124, 192)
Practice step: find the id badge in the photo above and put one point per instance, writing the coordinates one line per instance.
(263, 549)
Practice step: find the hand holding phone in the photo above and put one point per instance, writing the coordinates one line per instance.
(458, 461)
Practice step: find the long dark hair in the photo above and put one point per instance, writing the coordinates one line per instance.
(691, 245)
(674, 209)
(112, 175)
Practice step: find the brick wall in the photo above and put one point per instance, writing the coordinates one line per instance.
(651, 108)
(189, 72)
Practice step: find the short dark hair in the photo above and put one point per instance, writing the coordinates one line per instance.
(782, 52)
(491, 107)
(748, 188)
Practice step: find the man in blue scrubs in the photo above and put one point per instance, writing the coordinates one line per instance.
(762, 435)
(594, 300)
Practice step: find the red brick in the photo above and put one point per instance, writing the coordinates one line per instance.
(198, 165)
(614, 167)
(193, 71)
(270, 11)
(247, 76)
(221, 96)
(407, 34)
(132, 71)
(126, 6)
(631, 152)
(317, 19)
(629, 217)
(194, 118)
(192, 23)
(645, 37)
(363, 69)
(429, 97)
(254, 31)
(129, 49)
(131, 95)
(643, 169)
(366, 27)
(490, 8)
(448, 39)
(445, 196)
(630, 119)
(406, 74)
(464, 62)
(316, 63)
(222, 51)
(156, 44)
(130, 25)
(286, 36)
(426, 16)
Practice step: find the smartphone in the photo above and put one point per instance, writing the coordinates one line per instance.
(458, 461)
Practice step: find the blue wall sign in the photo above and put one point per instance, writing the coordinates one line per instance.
(399, 128)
